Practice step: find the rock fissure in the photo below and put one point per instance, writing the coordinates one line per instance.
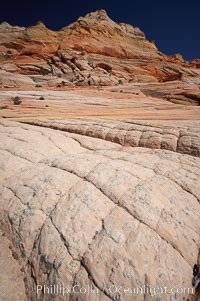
(130, 213)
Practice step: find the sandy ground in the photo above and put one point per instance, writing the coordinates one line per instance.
(92, 103)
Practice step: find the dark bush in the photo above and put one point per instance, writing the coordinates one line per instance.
(41, 98)
(8, 54)
(16, 100)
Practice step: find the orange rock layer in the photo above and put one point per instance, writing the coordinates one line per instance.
(94, 50)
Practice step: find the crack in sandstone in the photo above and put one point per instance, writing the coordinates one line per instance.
(65, 136)
(85, 178)
(15, 195)
(53, 142)
(91, 277)
(114, 201)
(168, 176)
(16, 155)
(129, 212)
(49, 216)
(81, 260)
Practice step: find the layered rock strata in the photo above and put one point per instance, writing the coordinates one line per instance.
(95, 51)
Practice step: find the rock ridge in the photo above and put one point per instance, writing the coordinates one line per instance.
(93, 51)
(185, 140)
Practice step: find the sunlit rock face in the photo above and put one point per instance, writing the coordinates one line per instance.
(83, 212)
(93, 51)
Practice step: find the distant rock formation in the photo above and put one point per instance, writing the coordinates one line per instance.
(94, 50)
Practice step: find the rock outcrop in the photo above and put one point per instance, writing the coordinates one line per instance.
(99, 165)
(86, 213)
(94, 50)
(177, 138)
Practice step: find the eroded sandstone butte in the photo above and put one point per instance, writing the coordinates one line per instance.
(94, 50)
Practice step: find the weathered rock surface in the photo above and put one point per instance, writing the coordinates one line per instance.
(110, 115)
(129, 104)
(99, 186)
(177, 92)
(11, 277)
(83, 211)
(95, 51)
(182, 138)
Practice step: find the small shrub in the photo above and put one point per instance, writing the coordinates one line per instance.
(46, 106)
(16, 100)
(3, 107)
(120, 82)
(8, 54)
(41, 98)
(38, 86)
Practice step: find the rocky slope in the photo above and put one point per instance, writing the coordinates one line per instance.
(66, 224)
(128, 118)
(94, 50)
(182, 138)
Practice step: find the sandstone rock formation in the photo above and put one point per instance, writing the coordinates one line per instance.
(177, 138)
(99, 165)
(94, 50)
(84, 212)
